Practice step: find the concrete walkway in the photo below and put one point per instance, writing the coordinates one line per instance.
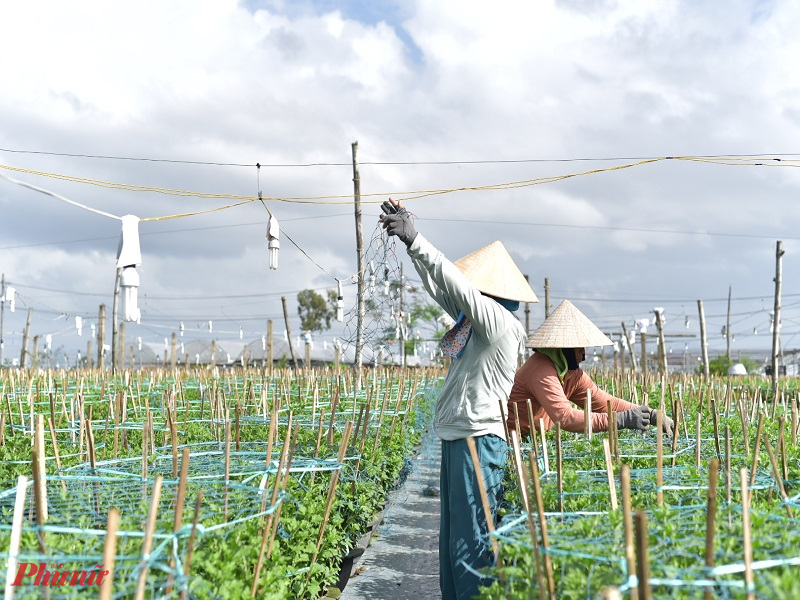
(402, 561)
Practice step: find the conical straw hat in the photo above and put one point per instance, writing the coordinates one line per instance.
(492, 270)
(567, 327)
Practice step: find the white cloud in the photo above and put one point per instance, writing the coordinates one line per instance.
(441, 81)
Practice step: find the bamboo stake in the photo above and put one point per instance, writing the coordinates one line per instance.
(757, 449)
(190, 545)
(227, 463)
(2, 428)
(587, 415)
(660, 457)
(523, 488)
(39, 472)
(55, 451)
(677, 412)
(777, 475)
(782, 447)
(16, 534)
(711, 513)
(746, 537)
(627, 520)
(331, 493)
(642, 562)
(612, 487)
(727, 464)
(40, 498)
(548, 563)
(109, 553)
(147, 545)
(698, 441)
(545, 456)
(715, 418)
(476, 465)
(268, 525)
(559, 475)
(180, 502)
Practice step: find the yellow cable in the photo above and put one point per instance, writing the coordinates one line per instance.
(400, 195)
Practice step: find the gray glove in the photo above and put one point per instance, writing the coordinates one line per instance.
(634, 418)
(397, 221)
(666, 423)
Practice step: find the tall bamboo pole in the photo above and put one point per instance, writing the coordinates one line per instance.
(360, 252)
(776, 319)
(703, 339)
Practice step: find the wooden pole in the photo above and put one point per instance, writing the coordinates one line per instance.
(16, 534)
(711, 514)
(643, 338)
(537, 491)
(776, 319)
(703, 339)
(630, 348)
(746, 537)
(101, 336)
(270, 346)
(289, 333)
(114, 324)
(728, 329)
(476, 465)
(662, 348)
(546, 297)
(360, 253)
(23, 355)
(528, 311)
(147, 545)
(109, 553)
(627, 520)
(612, 487)
(642, 562)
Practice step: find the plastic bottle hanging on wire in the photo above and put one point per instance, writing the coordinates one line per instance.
(273, 237)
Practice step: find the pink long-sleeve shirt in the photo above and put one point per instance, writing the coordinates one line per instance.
(552, 400)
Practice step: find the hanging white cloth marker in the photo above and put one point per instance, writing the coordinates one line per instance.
(273, 237)
(129, 256)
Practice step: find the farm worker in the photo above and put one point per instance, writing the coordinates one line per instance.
(554, 382)
(480, 292)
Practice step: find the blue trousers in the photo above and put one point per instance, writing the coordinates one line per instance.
(464, 547)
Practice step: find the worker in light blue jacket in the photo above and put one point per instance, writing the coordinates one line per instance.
(480, 292)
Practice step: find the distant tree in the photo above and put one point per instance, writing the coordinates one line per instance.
(315, 312)
(721, 364)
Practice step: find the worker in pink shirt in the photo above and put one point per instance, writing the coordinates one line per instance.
(557, 387)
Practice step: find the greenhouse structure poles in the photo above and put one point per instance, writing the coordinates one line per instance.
(776, 319)
(25, 337)
(527, 312)
(360, 251)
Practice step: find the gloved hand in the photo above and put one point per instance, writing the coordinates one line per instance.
(634, 418)
(666, 423)
(396, 221)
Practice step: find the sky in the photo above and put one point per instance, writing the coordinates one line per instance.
(560, 128)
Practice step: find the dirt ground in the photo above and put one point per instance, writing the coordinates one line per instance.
(402, 560)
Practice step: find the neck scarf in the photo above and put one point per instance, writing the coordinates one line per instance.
(558, 358)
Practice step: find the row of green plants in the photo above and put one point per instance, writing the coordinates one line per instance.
(586, 538)
(302, 563)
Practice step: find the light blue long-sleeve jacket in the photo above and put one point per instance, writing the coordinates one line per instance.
(480, 379)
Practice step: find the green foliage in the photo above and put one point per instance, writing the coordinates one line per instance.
(315, 312)
(719, 365)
